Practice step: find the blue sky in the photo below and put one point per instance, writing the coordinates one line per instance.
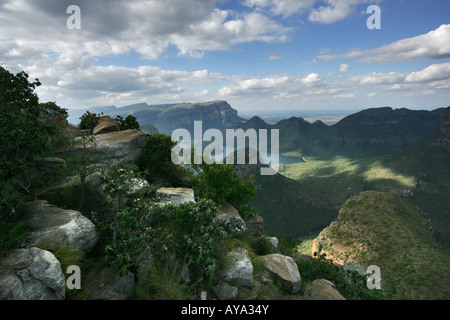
(261, 56)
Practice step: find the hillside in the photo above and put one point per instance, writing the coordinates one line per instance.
(377, 228)
(420, 173)
(367, 133)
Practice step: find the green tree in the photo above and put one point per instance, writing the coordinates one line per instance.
(89, 120)
(130, 122)
(156, 161)
(220, 183)
(22, 137)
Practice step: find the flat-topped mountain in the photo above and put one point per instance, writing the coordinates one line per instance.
(168, 117)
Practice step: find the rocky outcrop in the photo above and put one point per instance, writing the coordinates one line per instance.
(239, 271)
(106, 124)
(229, 219)
(51, 226)
(322, 289)
(285, 268)
(175, 196)
(255, 224)
(31, 274)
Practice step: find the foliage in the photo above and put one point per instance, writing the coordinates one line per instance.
(89, 121)
(130, 122)
(164, 283)
(220, 183)
(193, 232)
(127, 231)
(22, 138)
(11, 236)
(156, 161)
(51, 105)
(350, 284)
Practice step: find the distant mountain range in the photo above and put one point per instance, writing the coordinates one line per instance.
(366, 133)
(169, 117)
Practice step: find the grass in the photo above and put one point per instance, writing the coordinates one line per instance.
(11, 236)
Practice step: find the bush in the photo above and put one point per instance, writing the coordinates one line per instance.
(156, 161)
(22, 138)
(192, 234)
(130, 122)
(220, 183)
(89, 121)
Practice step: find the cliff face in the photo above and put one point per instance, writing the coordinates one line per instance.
(215, 114)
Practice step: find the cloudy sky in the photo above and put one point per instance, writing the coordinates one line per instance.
(259, 55)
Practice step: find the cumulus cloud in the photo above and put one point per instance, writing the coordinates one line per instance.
(335, 10)
(432, 45)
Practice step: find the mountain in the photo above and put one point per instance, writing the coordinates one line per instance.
(366, 133)
(378, 228)
(168, 117)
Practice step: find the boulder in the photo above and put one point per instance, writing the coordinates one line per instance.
(273, 242)
(106, 124)
(31, 274)
(255, 225)
(123, 147)
(239, 270)
(229, 219)
(285, 268)
(51, 226)
(224, 291)
(322, 289)
(175, 196)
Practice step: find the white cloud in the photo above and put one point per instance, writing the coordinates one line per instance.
(432, 45)
(335, 10)
(344, 68)
(432, 73)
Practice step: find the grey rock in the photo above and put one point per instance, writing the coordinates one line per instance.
(228, 217)
(285, 268)
(31, 274)
(175, 196)
(51, 226)
(255, 225)
(239, 271)
(322, 289)
(106, 124)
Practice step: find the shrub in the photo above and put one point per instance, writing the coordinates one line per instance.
(193, 233)
(89, 120)
(130, 122)
(220, 183)
(156, 161)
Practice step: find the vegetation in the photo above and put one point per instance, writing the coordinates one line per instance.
(220, 183)
(89, 121)
(382, 229)
(130, 122)
(22, 138)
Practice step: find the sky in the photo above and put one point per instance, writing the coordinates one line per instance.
(262, 56)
